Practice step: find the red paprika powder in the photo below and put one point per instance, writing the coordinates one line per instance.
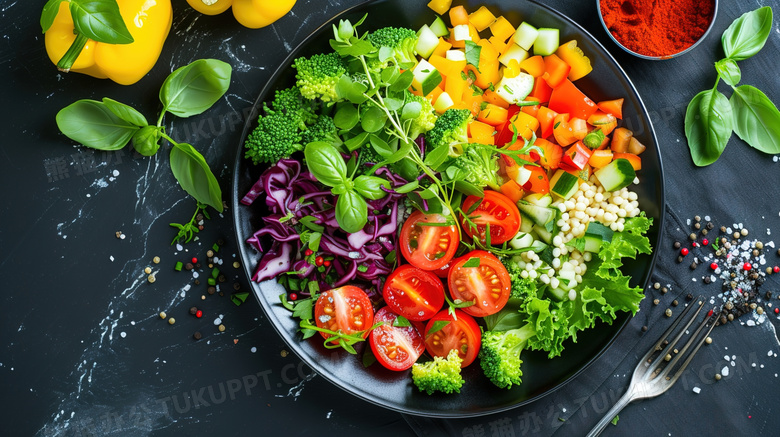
(657, 27)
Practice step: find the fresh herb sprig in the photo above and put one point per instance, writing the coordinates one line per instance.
(711, 116)
(111, 125)
(188, 230)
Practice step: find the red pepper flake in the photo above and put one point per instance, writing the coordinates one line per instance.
(776, 269)
(293, 296)
(709, 314)
(199, 314)
(308, 252)
(747, 266)
(695, 244)
(714, 266)
(318, 261)
(777, 310)
(194, 260)
(684, 251)
(326, 263)
(705, 242)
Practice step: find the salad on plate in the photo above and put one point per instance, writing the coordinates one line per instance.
(447, 195)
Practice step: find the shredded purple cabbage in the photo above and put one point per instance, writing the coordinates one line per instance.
(292, 194)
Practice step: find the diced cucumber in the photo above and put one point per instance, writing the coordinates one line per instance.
(616, 175)
(567, 279)
(515, 52)
(564, 184)
(461, 33)
(426, 42)
(443, 102)
(521, 240)
(526, 36)
(539, 199)
(595, 235)
(543, 234)
(456, 55)
(557, 294)
(515, 89)
(546, 255)
(426, 77)
(539, 247)
(439, 28)
(525, 223)
(540, 215)
(547, 42)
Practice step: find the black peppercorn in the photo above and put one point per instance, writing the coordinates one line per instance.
(193, 310)
(211, 290)
(197, 335)
(677, 244)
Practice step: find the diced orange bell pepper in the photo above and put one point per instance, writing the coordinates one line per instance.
(546, 117)
(573, 55)
(512, 190)
(481, 133)
(455, 86)
(562, 131)
(541, 90)
(614, 107)
(525, 125)
(551, 153)
(533, 66)
(579, 127)
(531, 110)
(600, 158)
(494, 98)
(492, 114)
(470, 101)
(568, 98)
(606, 122)
(555, 70)
(482, 18)
(538, 183)
(498, 44)
(447, 67)
(635, 160)
(441, 48)
(502, 29)
(458, 16)
(576, 157)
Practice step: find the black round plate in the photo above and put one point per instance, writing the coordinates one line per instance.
(478, 396)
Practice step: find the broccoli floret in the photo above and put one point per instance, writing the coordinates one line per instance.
(291, 103)
(427, 118)
(322, 129)
(500, 354)
(318, 75)
(367, 158)
(402, 41)
(522, 288)
(479, 164)
(450, 128)
(441, 374)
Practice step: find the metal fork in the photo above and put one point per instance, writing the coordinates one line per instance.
(658, 370)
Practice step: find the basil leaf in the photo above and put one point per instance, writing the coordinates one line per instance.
(436, 157)
(708, 123)
(351, 212)
(100, 20)
(325, 163)
(194, 175)
(729, 71)
(373, 119)
(125, 112)
(92, 124)
(473, 51)
(472, 262)
(49, 13)
(747, 34)
(370, 187)
(192, 89)
(756, 119)
(437, 326)
(401, 322)
(346, 117)
(145, 141)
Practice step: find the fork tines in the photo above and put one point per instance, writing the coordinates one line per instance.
(663, 357)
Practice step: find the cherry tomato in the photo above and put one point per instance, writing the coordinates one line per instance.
(396, 348)
(495, 210)
(347, 309)
(459, 332)
(488, 284)
(413, 293)
(428, 247)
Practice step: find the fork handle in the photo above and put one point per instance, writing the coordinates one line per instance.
(619, 405)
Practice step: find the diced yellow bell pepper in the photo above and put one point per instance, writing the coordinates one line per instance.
(440, 6)
(573, 55)
(482, 18)
(502, 29)
(255, 14)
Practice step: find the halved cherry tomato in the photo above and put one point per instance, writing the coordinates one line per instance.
(496, 210)
(488, 285)
(413, 293)
(395, 347)
(459, 332)
(428, 247)
(345, 309)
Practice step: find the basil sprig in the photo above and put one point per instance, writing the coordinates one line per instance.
(111, 125)
(329, 168)
(711, 116)
(98, 20)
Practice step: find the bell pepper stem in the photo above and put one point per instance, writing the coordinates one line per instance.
(72, 54)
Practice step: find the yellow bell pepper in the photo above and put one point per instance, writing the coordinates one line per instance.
(255, 14)
(210, 7)
(148, 21)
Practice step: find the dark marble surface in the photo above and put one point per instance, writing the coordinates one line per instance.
(84, 352)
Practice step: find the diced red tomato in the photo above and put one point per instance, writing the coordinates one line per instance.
(568, 98)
